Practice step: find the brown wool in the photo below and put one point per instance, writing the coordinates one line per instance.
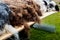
(23, 12)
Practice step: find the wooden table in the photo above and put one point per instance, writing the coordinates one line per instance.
(9, 34)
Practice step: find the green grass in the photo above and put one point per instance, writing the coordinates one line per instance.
(37, 34)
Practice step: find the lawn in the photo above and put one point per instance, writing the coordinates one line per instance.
(37, 34)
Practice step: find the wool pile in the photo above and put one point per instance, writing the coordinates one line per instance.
(20, 12)
(23, 11)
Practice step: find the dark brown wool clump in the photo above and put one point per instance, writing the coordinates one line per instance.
(23, 11)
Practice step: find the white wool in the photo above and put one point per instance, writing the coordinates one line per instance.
(41, 3)
(11, 29)
(52, 2)
(48, 1)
